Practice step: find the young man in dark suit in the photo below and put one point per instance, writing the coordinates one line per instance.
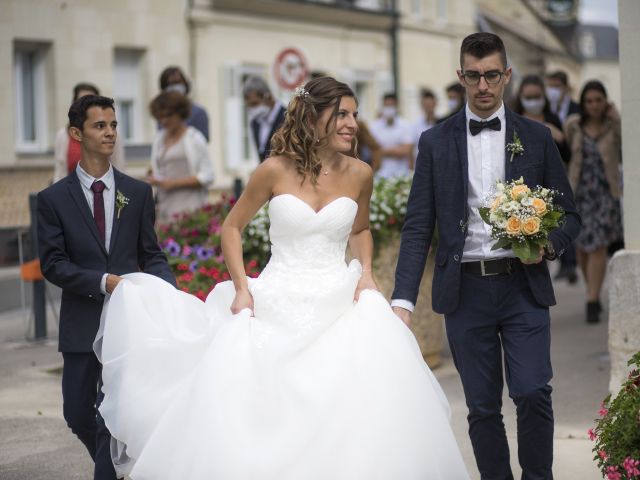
(266, 114)
(494, 305)
(93, 226)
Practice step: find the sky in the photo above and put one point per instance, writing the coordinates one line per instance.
(599, 12)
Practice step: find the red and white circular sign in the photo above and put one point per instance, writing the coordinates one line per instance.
(290, 68)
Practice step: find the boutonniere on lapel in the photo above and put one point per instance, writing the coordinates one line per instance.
(515, 147)
(121, 202)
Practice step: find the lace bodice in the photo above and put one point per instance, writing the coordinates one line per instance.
(302, 238)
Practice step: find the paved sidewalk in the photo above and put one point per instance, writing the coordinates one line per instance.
(35, 443)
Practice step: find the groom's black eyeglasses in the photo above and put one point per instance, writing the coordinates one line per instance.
(492, 77)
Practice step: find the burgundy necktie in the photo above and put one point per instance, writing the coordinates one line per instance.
(98, 207)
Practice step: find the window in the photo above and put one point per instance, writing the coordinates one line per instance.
(442, 10)
(128, 94)
(31, 109)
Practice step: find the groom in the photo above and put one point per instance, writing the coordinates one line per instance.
(495, 306)
(93, 226)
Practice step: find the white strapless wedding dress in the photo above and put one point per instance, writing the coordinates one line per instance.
(312, 387)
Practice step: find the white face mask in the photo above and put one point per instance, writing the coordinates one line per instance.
(389, 112)
(177, 87)
(534, 106)
(453, 104)
(554, 94)
(258, 112)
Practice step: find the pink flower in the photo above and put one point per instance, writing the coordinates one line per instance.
(603, 455)
(631, 466)
(613, 473)
(592, 434)
(603, 410)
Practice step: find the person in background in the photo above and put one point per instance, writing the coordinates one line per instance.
(265, 113)
(532, 103)
(173, 79)
(428, 119)
(180, 165)
(456, 99)
(559, 95)
(395, 136)
(367, 148)
(594, 172)
(66, 150)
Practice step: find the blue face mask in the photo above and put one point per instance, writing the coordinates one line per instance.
(534, 106)
(177, 87)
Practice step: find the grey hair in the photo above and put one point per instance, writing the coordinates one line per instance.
(257, 85)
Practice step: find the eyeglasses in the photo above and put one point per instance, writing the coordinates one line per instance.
(472, 78)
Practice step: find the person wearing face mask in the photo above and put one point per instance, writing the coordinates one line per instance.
(456, 99)
(266, 114)
(395, 136)
(532, 103)
(428, 118)
(173, 79)
(559, 95)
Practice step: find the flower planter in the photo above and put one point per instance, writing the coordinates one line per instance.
(426, 325)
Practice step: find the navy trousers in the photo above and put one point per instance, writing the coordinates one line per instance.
(498, 318)
(81, 396)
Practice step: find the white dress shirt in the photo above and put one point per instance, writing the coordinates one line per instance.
(400, 132)
(266, 125)
(109, 197)
(486, 156)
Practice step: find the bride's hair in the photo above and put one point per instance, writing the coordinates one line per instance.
(297, 138)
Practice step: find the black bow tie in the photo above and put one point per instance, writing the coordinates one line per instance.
(476, 127)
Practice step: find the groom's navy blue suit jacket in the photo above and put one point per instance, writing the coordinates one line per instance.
(73, 257)
(439, 197)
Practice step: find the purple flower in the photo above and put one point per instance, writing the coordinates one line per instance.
(172, 248)
(193, 266)
(204, 253)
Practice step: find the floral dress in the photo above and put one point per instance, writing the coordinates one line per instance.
(600, 211)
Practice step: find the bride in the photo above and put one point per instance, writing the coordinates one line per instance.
(304, 373)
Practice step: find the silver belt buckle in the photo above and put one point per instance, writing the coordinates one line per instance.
(483, 272)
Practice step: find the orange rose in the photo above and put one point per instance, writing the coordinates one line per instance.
(530, 226)
(518, 191)
(513, 226)
(495, 204)
(539, 206)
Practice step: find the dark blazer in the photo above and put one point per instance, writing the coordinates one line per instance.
(73, 257)
(439, 197)
(255, 128)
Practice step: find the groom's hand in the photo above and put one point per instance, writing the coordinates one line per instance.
(403, 314)
(112, 282)
(537, 260)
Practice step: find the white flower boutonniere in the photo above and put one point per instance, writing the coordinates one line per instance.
(515, 147)
(121, 202)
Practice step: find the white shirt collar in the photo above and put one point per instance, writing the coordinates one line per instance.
(498, 113)
(87, 180)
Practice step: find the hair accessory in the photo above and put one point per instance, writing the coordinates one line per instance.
(300, 92)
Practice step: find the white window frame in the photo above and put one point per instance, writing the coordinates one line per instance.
(40, 111)
(132, 92)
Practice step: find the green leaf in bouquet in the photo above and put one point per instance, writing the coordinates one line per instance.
(502, 243)
(523, 251)
(552, 219)
(485, 212)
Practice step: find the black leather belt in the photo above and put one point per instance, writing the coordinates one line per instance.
(489, 267)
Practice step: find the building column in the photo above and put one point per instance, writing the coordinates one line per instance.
(624, 269)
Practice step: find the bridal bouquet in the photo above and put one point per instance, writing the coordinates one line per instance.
(521, 218)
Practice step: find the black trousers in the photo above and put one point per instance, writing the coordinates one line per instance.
(498, 318)
(81, 396)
